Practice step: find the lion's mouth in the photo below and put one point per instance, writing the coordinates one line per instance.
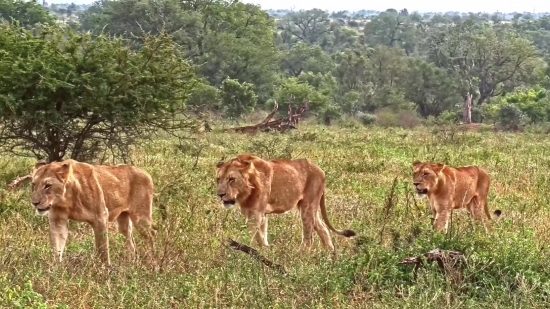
(422, 191)
(229, 203)
(43, 211)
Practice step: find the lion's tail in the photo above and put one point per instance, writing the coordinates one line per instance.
(496, 213)
(347, 233)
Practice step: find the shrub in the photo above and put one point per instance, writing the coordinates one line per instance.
(510, 117)
(386, 118)
(367, 119)
(350, 122)
(408, 119)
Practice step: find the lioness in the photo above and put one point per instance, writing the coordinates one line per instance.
(451, 188)
(95, 194)
(275, 187)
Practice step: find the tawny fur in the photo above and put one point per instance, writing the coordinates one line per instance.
(449, 188)
(95, 194)
(275, 187)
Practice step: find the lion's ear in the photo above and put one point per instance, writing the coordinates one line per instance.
(63, 172)
(415, 163)
(219, 164)
(438, 167)
(249, 166)
(39, 164)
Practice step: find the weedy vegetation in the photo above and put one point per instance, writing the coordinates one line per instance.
(369, 190)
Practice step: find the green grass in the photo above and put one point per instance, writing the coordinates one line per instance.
(506, 267)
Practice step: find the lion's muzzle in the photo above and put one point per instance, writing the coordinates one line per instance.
(227, 202)
(41, 210)
(420, 191)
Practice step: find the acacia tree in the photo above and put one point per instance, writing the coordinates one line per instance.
(67, 94)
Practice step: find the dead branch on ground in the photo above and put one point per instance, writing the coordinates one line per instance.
(255, 254)
(450, 262)
(282, 124)
(18, 181)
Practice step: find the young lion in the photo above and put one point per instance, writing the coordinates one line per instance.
(275, 187)
(95, 194)
(451, 188)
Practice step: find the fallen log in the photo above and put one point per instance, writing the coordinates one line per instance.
(268, 124)
(255, 254)
(18, 181)
(450, 262)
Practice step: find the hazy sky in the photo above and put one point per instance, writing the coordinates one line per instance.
(417, 5)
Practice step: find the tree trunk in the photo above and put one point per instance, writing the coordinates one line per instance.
(327, 120)
(467, 109)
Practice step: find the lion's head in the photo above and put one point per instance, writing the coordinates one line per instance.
(48, 185)
(234, 180)
(425, 176)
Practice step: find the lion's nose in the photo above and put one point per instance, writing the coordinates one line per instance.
(221, 195)
(416, 184)
(35, 203)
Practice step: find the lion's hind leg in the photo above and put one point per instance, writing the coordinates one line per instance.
(307, 213)
(323, 233)
(141, 215)
(311, 220)
(125, 228)
(476, 207)
(145, 228)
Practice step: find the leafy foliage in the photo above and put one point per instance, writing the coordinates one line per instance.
(26, 13)
(68, 93)
(238, 99)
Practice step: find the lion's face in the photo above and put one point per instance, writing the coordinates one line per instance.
(232, 180)
(425, 176)
(48, 186)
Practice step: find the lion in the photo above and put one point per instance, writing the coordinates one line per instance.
(95, 194)
(449, 188)
(276, 187)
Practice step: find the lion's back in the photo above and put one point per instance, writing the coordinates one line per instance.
(299, 171)
(471, 178)
(122, 176)
(120, 184)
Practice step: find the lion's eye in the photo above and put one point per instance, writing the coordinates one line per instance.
(218, 179)
(46, 187)
(425, 174)
(231, 179)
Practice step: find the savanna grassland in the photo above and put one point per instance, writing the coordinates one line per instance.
(506, 267)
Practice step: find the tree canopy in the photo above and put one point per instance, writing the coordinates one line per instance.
(75, 77)
(66, 93)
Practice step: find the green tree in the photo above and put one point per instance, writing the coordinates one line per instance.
(222, 38)
(302, 91)
(304, 58)
(237, 98)
(487, 59)
(311, 27)
(392, 29)
(204, 98)
(429, 87)
(27, 13)
(70, 94)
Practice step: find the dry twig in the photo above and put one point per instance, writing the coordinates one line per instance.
(254, 253)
